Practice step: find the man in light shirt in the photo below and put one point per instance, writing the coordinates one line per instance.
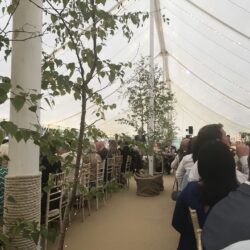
(229, 222)
(182, 151)
(183, 169)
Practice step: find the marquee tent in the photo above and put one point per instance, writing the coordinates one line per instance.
(208, 54)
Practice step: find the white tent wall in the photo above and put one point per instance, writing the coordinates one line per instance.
(234, 9)
(208, 64)
(67, 113)
(197, 115)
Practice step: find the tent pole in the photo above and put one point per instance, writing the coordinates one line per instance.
(23, 181)
(161, 38)
(151, 104)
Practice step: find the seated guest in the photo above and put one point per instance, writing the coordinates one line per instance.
(185, 166)
(101, 149)
(94, 157)
(136, 162)
(182, 151)
(125, 153)
(216, 168)
(229, 220)
(113, 151)
(216, 132)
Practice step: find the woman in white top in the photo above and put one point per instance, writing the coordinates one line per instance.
(182, 151)
(185, 166)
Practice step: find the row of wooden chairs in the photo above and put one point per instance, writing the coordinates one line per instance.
(88, 177)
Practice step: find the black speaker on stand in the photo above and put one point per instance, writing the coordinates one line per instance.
(190, 131)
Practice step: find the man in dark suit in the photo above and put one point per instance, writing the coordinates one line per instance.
(229, 220)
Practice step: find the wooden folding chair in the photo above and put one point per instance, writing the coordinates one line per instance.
(100, 181)
(97, 180)
(175, 185)
(110, 167)
(54, 200)
(117, 168)
(128, 170)
(84, 188)
(196, 227)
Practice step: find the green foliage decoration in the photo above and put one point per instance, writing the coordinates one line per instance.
(83, 27)
(138, 91)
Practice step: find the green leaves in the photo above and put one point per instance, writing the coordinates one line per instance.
(18, 133)
(18, 136)
(1, 135)
(49, 234)
(12, 7)
(4, 89)
(53, 18)
(71, 67)
(65, 2)
(98, 48)
(18, 101)
(4, 240)
(138, 90)
(9, 127)
(28, 230)
(101, 1)
(112, 76)
(71, 45)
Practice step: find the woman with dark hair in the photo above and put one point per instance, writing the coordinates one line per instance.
(216, 167)
(208, 133)
(215, 132)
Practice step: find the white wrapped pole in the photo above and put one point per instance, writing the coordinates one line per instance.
(151, 65)
(23, 181)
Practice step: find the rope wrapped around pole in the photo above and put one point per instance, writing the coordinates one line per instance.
(26, 203)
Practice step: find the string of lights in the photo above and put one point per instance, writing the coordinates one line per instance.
(205, 107)
(233, 84)
(207, 83)
(206, 25)
(239, 6)
(105, 122)
(78, 113)
(118, 4)
(217, 19)
(209, 39)
(188, 111)
(210, 55)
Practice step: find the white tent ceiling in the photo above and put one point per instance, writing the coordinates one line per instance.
(209, 61)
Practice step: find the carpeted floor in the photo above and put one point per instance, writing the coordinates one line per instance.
(127, 222)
